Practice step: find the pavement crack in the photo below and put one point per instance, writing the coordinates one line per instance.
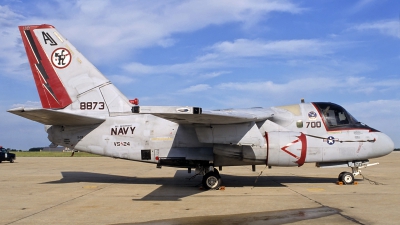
(350, 219)
(323, 205)
(371, 181)
(54, 206)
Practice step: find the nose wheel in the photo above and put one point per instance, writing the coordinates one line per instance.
(346, 177)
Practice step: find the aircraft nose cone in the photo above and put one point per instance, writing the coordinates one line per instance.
(383, 144)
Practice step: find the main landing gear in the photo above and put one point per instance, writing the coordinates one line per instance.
(211, 177)
(212, 180)
(347, 178)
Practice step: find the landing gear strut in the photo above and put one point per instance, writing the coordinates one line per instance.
(348, 178)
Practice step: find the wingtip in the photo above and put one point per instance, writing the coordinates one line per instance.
(22, 109)
(18, 109)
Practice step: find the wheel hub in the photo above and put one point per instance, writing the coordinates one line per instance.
(348, 178)
(212, 181)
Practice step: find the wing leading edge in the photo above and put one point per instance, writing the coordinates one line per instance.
(55, 117)
(195, 115)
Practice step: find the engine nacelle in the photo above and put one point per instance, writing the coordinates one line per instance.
(234, 155)
(286, 148)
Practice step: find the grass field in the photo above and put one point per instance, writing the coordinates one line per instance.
(54, 154)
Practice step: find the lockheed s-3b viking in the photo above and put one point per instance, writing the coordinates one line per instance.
(84, 111)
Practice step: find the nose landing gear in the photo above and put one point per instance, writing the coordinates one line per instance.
(348, 178)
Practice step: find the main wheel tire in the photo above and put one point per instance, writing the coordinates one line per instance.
(348, 178)
(211, 180)
(11, 160)
(340, 176)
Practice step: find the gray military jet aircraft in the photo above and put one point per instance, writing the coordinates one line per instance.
(83, 110)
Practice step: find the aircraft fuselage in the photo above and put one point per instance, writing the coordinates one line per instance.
(295, 135)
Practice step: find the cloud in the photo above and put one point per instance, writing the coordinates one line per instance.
(380, 114)
(14, 62)
(313, 84)
(122, 80)
(93, 7)
(8, 17)
(368, 86)
(385, 27)
(135, 25)
(281, 48)
(360, 5)
(27, 104)
(376, 108)
(139, 68)
(190, 68)
(233, 54)
(107, 31)
(196, 88)
(211, 75)
(306, 84)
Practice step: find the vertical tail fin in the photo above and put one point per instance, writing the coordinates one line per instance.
(65, 78)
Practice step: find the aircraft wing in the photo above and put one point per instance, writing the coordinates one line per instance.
(55, 117)
(195, 115)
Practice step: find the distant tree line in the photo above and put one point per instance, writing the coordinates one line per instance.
(19, 150)
(14, 150)
(36, 149)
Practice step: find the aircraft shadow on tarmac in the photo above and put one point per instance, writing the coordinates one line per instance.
(179, 186)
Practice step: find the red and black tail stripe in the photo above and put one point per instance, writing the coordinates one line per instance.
(39, 65)
(51, 90)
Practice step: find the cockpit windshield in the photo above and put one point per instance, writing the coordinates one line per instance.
(336, 117)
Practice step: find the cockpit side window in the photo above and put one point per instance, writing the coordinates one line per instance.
(335, 115)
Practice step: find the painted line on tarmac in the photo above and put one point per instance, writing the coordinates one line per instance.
(54, 206)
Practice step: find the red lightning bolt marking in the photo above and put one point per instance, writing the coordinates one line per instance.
(303, 155)
(300, 160)
(286, 146)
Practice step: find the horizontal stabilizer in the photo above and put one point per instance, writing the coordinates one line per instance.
(195, 115)
(55, 117)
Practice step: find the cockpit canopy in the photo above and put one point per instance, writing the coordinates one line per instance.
(336, 117)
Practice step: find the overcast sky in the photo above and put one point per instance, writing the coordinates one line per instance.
(217, 54)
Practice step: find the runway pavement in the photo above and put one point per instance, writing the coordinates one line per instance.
(100, 190)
